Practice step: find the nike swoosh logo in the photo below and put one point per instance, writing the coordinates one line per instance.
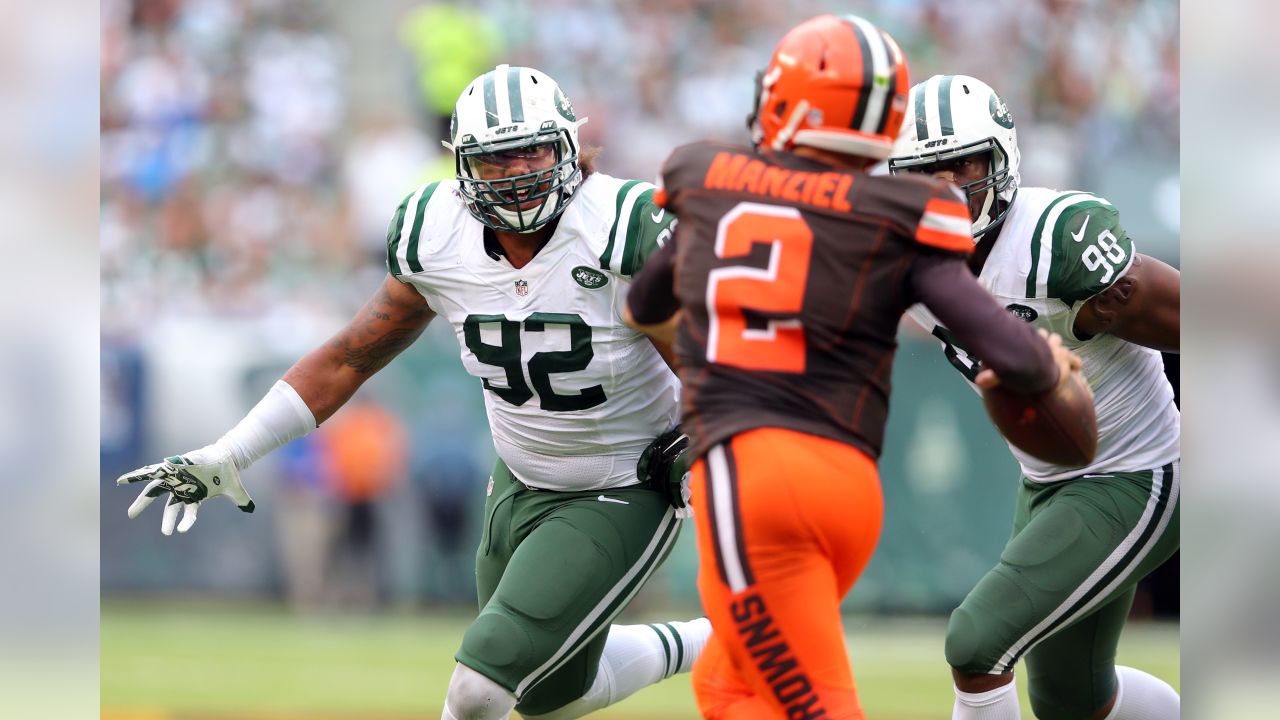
(1097, 475)
(602, 498)
(1079, 235)
(657, 217)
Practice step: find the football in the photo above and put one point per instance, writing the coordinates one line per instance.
(1057, 426)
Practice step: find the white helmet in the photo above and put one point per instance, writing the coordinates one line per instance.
(510, 109)
(951, 116)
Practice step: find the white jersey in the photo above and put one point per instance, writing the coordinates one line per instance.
(1055, 251)
(573, 395)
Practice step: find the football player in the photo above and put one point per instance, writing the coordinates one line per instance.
(1082, 536)
(527, 254)
(790, 271)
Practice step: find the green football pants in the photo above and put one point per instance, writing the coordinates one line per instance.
(552, 571)
(1062, 590)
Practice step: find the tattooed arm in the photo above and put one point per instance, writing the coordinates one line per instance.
(329, 375)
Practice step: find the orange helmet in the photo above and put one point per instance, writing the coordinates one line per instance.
(835, 83)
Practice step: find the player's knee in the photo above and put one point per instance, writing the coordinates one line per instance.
(472, 696)
(964, 643)
(495, 641)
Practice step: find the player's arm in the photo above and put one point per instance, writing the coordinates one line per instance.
(648, 232)
(1012, 353)
(308, 394)
(1096, 270)
(1142, 307)
(652, 306)
(389, 322)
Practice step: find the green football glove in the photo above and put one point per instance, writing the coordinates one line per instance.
(664, 467)
(186, 481)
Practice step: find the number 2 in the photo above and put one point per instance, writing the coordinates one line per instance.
(777, 289)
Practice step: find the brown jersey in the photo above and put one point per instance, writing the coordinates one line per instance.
(793, 277)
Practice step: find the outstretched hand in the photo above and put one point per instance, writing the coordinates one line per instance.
(186, 481)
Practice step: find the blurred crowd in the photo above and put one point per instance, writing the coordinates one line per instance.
(253, 150)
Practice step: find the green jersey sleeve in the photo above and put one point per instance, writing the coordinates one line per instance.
(405, 230)
(1090, 250)
(639, 229)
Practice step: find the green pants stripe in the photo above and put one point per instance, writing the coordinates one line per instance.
(612, 602)
(1115, 570)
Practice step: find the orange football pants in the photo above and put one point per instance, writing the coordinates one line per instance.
(785, 522)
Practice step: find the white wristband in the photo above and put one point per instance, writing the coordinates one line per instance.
(279, 417)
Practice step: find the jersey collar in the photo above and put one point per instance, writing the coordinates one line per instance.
(494, 250)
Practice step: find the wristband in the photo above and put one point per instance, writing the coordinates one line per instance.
(279, 417)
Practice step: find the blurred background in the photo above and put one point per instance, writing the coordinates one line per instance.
(252, 155)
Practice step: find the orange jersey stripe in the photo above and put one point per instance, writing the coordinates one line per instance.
(945, 240)
(945, 224)
(945, 206)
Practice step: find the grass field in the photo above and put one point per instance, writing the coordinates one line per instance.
(219, 662)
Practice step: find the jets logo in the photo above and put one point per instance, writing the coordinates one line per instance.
(1000, 112)
(589, 278)
(563, 107)
(185, 486)
(522, 288)
(1022, 311)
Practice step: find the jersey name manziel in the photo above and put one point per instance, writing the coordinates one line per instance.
(1055, 251)
(573, 395)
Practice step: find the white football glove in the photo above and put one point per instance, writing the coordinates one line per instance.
(188, 480)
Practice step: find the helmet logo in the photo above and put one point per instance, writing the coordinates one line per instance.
(453, 125)
(589, 278)
(1000, 112)
(563, 106)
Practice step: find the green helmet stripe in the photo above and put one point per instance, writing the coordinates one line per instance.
(513, 94)
(490, 101)
(944, 105)
(922, 121)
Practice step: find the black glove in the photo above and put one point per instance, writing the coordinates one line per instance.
(664, 467)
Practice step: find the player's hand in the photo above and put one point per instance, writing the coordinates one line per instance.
(664, 467)
(1066, 361)
(186, 481)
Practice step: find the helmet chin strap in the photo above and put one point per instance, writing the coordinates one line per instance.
(984, 218)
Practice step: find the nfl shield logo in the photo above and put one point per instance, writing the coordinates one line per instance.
(522, 288)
